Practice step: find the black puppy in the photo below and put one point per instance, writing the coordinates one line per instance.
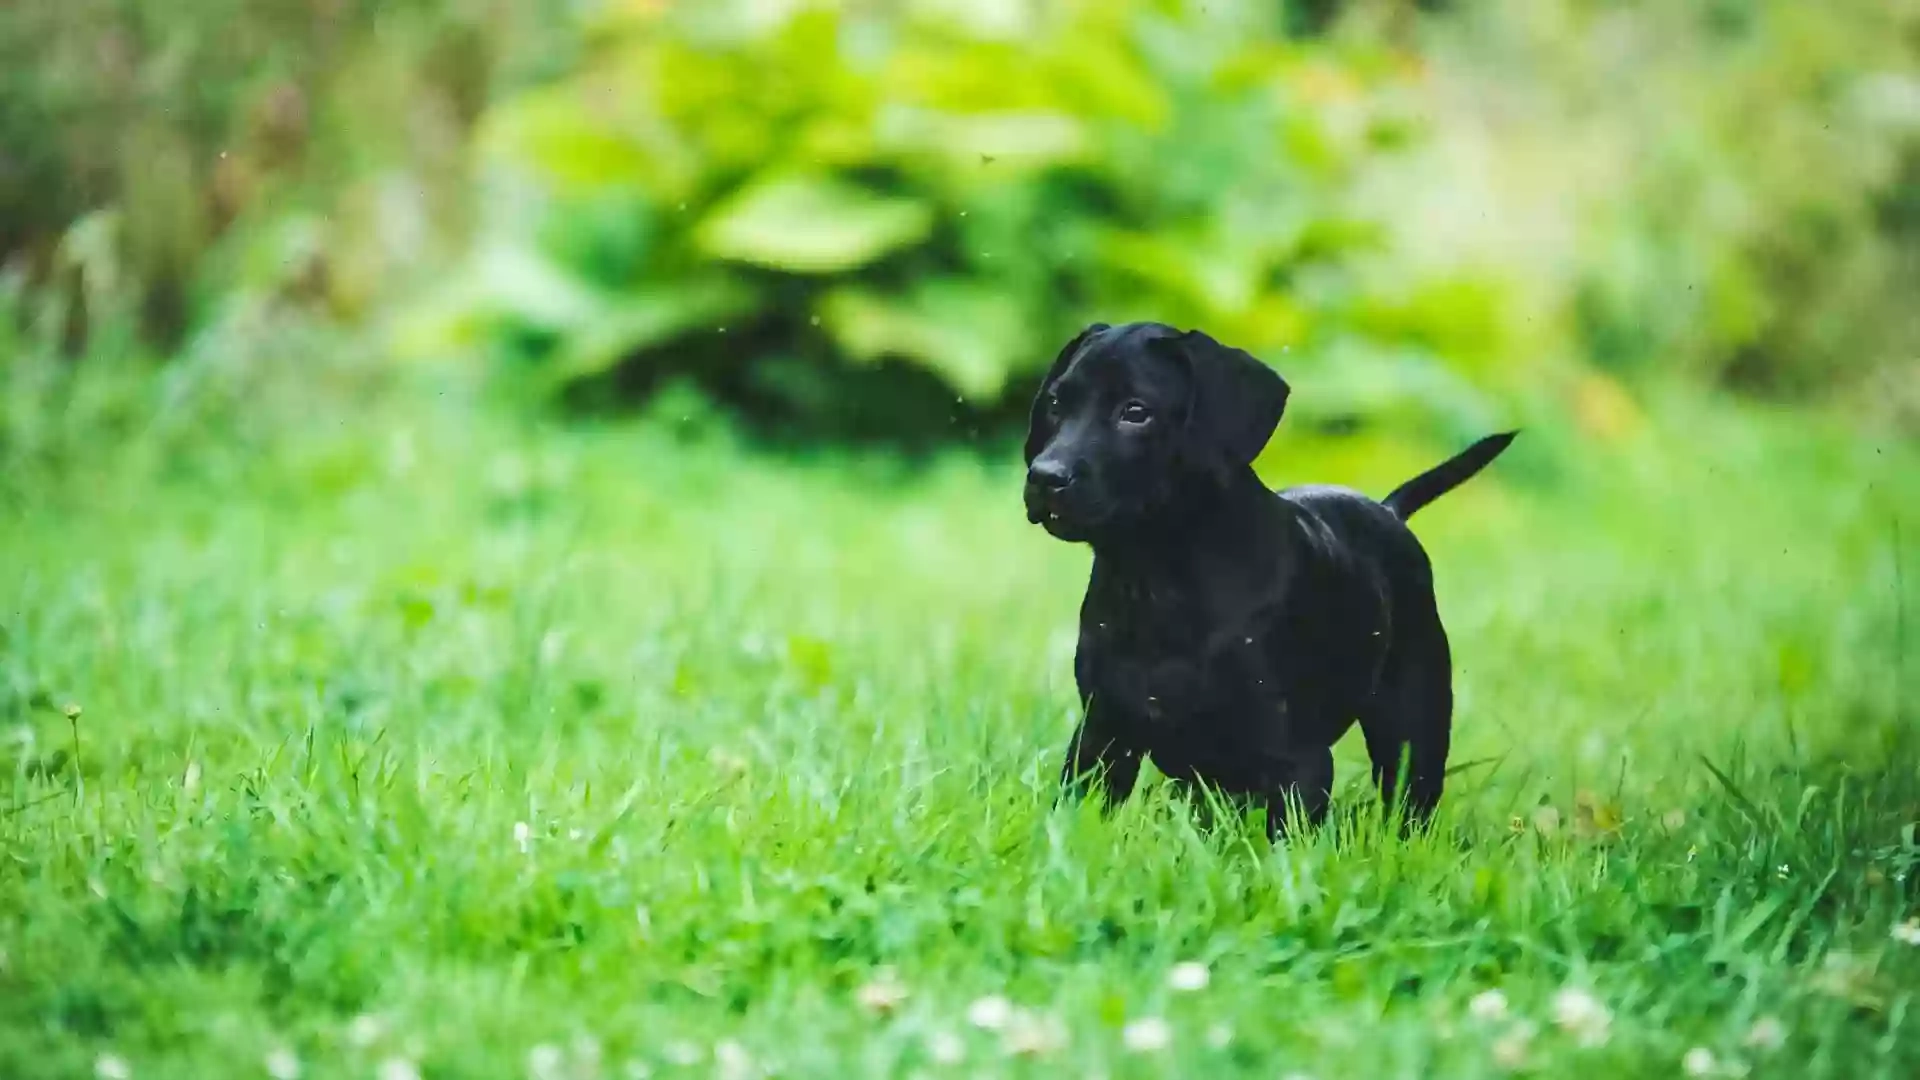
(1232, 633)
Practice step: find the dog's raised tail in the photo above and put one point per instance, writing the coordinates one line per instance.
(1408, 498)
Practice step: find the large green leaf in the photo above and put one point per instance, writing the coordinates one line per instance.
(634, 322)
(972, 335)
(596, 328)
(811, 224)
(1008, 141)
(554, 135)
(1217, 274)
(1402, 389)
(534, 289)
(502, 283)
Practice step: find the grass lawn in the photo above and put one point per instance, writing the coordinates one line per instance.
(424, 745)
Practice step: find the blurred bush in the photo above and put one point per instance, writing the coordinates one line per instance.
(885, 217)
(296, 146)
(201, 202)
(1681, 195)
(1759, 227)
(853, 219)
(884, 220)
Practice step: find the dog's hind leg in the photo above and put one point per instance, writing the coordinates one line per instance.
(1408, 723)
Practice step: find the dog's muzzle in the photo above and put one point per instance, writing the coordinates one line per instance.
(1056, 511)
(1042, 503)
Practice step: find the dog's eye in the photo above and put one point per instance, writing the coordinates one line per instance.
(1135, 412)
(1053, 405)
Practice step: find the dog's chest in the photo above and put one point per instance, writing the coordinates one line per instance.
(1174, 675)
(1215, 678)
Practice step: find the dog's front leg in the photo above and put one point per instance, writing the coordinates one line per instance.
(1100, 752)
(1306, 781)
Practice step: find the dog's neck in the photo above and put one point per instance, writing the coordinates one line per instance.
(1205, 529)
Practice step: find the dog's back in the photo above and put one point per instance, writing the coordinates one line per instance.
(1342, 524)
(1362, 536)
(1360, 570)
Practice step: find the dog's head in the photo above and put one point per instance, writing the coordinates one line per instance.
(1131, 417)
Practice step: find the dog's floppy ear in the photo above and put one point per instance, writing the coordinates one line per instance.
(1236, 401)
(1037, 416)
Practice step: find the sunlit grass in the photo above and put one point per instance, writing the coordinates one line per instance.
(417, 747)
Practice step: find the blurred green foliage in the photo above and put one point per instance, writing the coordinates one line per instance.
(1767, 236)
(789, 204)
(849, 220)
(880, 219)
(227, 144)
(225, 192)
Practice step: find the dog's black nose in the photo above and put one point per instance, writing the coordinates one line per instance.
(1048, 475)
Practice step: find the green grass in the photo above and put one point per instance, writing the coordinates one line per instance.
(773, 725)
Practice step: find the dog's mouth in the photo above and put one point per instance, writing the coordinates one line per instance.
(1060, 521)
(1060, 528)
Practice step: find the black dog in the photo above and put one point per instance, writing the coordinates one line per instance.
(1232, 633)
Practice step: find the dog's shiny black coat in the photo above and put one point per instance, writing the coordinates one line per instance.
(1231, 633)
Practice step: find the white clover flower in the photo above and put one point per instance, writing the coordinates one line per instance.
(731, 1060)
(546, 1062)
(883, 993)
(281, 1064)
(1768, 1034)
(1510, 1049)
(1147, 1035)
(990, 1013)
(1031, 1034)
(946, 1048)
(1189, 976)
(1581, 1015)
(398, 1068)
(364, 1030)
(1699, 1061)
(1487, 1006)
(112, 1067)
